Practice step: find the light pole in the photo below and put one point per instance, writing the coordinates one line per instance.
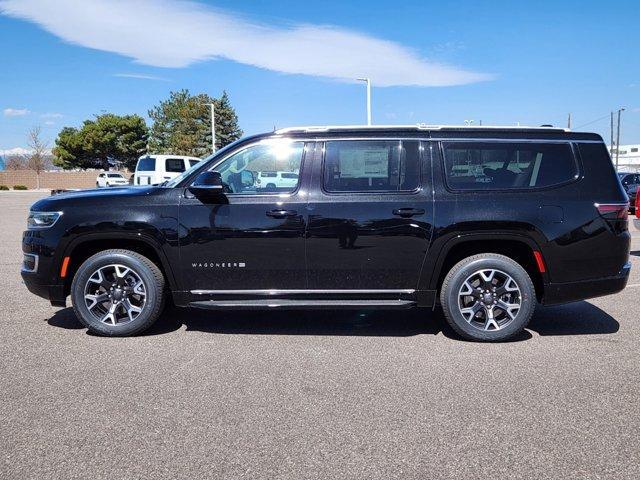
(620, 110)
(368, 81)
(213, 127)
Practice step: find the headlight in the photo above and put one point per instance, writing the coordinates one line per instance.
(42, 219)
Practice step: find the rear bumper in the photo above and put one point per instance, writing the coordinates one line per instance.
(556, 293)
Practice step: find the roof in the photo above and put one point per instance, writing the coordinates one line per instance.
(417, 127)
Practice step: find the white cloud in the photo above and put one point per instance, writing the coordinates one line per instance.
(139, 76)
(180, 33)
(15, 112)
(51, 115)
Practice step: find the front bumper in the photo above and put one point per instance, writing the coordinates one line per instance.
(38, 286)
(557, 293)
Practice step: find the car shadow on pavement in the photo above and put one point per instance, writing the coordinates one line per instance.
(581, 318)
(635, 253)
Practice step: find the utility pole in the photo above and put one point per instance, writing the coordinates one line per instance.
(569, 121)
(213, 127)
(620, 110)
(611, 147)
(368, 81)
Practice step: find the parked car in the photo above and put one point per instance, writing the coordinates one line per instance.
(630, 182)
(636, 221)
(155, 169)
(111, 179)
(484, 221)
(276, 180)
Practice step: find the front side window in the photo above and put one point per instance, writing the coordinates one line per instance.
(267, 167)
(371, 166)
(507, 165)
(193, 162)
(174, 165)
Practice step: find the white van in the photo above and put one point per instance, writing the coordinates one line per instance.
(155, 169)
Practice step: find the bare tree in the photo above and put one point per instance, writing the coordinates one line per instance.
(37, 159)
(16, 162)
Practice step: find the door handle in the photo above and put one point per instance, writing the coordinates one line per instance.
(281, 213)
(408, 212)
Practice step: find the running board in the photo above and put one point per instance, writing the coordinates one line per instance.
(285, 304)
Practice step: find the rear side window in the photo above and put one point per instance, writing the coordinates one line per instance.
(371, 166)
(174, 165)
(193, 162)
(289, 175)
(146, 164)
(507, 165)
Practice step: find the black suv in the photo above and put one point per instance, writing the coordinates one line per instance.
(484, 222)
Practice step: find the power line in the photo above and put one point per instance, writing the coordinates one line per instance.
(592, 121)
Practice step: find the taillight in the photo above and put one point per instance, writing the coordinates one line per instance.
(638, 203)
(615, 214)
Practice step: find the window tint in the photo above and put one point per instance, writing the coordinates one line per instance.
(193, 162)
(255, 169)
(289, 175)
(634, 150)
(146, 164)
(174, 165)
(114, 175)
(504, 165)
(368, 165)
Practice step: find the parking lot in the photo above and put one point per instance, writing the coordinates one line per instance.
(315, 394)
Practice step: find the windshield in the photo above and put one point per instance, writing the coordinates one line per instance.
(114, 175)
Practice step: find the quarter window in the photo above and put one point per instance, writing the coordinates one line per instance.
(506, 165)
(268, 167)
(371, 166)
(174, 165)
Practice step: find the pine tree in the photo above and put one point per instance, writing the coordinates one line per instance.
(182, 124)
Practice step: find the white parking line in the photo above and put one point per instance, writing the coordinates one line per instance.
(633, 285)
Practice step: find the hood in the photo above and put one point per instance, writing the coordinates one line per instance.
(83, 197)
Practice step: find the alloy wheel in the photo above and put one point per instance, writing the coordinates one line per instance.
(489, 299)
(115, 294)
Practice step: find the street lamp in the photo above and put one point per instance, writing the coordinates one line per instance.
(213, 127)
(618, 137)
(368, 81)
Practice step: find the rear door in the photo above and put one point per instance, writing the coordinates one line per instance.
(370, 215)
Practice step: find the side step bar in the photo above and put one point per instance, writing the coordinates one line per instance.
(285, 304)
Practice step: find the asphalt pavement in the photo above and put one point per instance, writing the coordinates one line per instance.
(314, 395)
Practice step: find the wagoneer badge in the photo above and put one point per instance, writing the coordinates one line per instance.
(219, 265)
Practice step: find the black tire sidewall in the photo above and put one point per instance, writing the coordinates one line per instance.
(519, 274)
(154, 294)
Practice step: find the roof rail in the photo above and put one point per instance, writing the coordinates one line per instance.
(417, 126)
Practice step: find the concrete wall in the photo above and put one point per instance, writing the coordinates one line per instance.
(51, 180)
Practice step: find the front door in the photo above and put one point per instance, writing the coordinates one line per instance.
(370, 216)
(252, 236)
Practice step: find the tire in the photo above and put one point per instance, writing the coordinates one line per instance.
(97, 185)
(136, 286)
(472, 303)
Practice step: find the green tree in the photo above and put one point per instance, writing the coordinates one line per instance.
(107, 139)
(182, 124)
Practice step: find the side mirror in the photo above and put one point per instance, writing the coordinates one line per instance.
(207, 183)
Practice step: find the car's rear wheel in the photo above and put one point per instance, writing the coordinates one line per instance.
(118, 293)
(488, 297)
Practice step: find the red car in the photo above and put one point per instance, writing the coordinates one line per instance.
(636, 221)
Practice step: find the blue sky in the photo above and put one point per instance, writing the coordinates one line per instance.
(288, 63)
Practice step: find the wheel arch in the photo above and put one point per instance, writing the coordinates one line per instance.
(87, 245)
(518, 247)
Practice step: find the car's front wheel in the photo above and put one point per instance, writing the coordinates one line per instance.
(118, 293)
(488, 297)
